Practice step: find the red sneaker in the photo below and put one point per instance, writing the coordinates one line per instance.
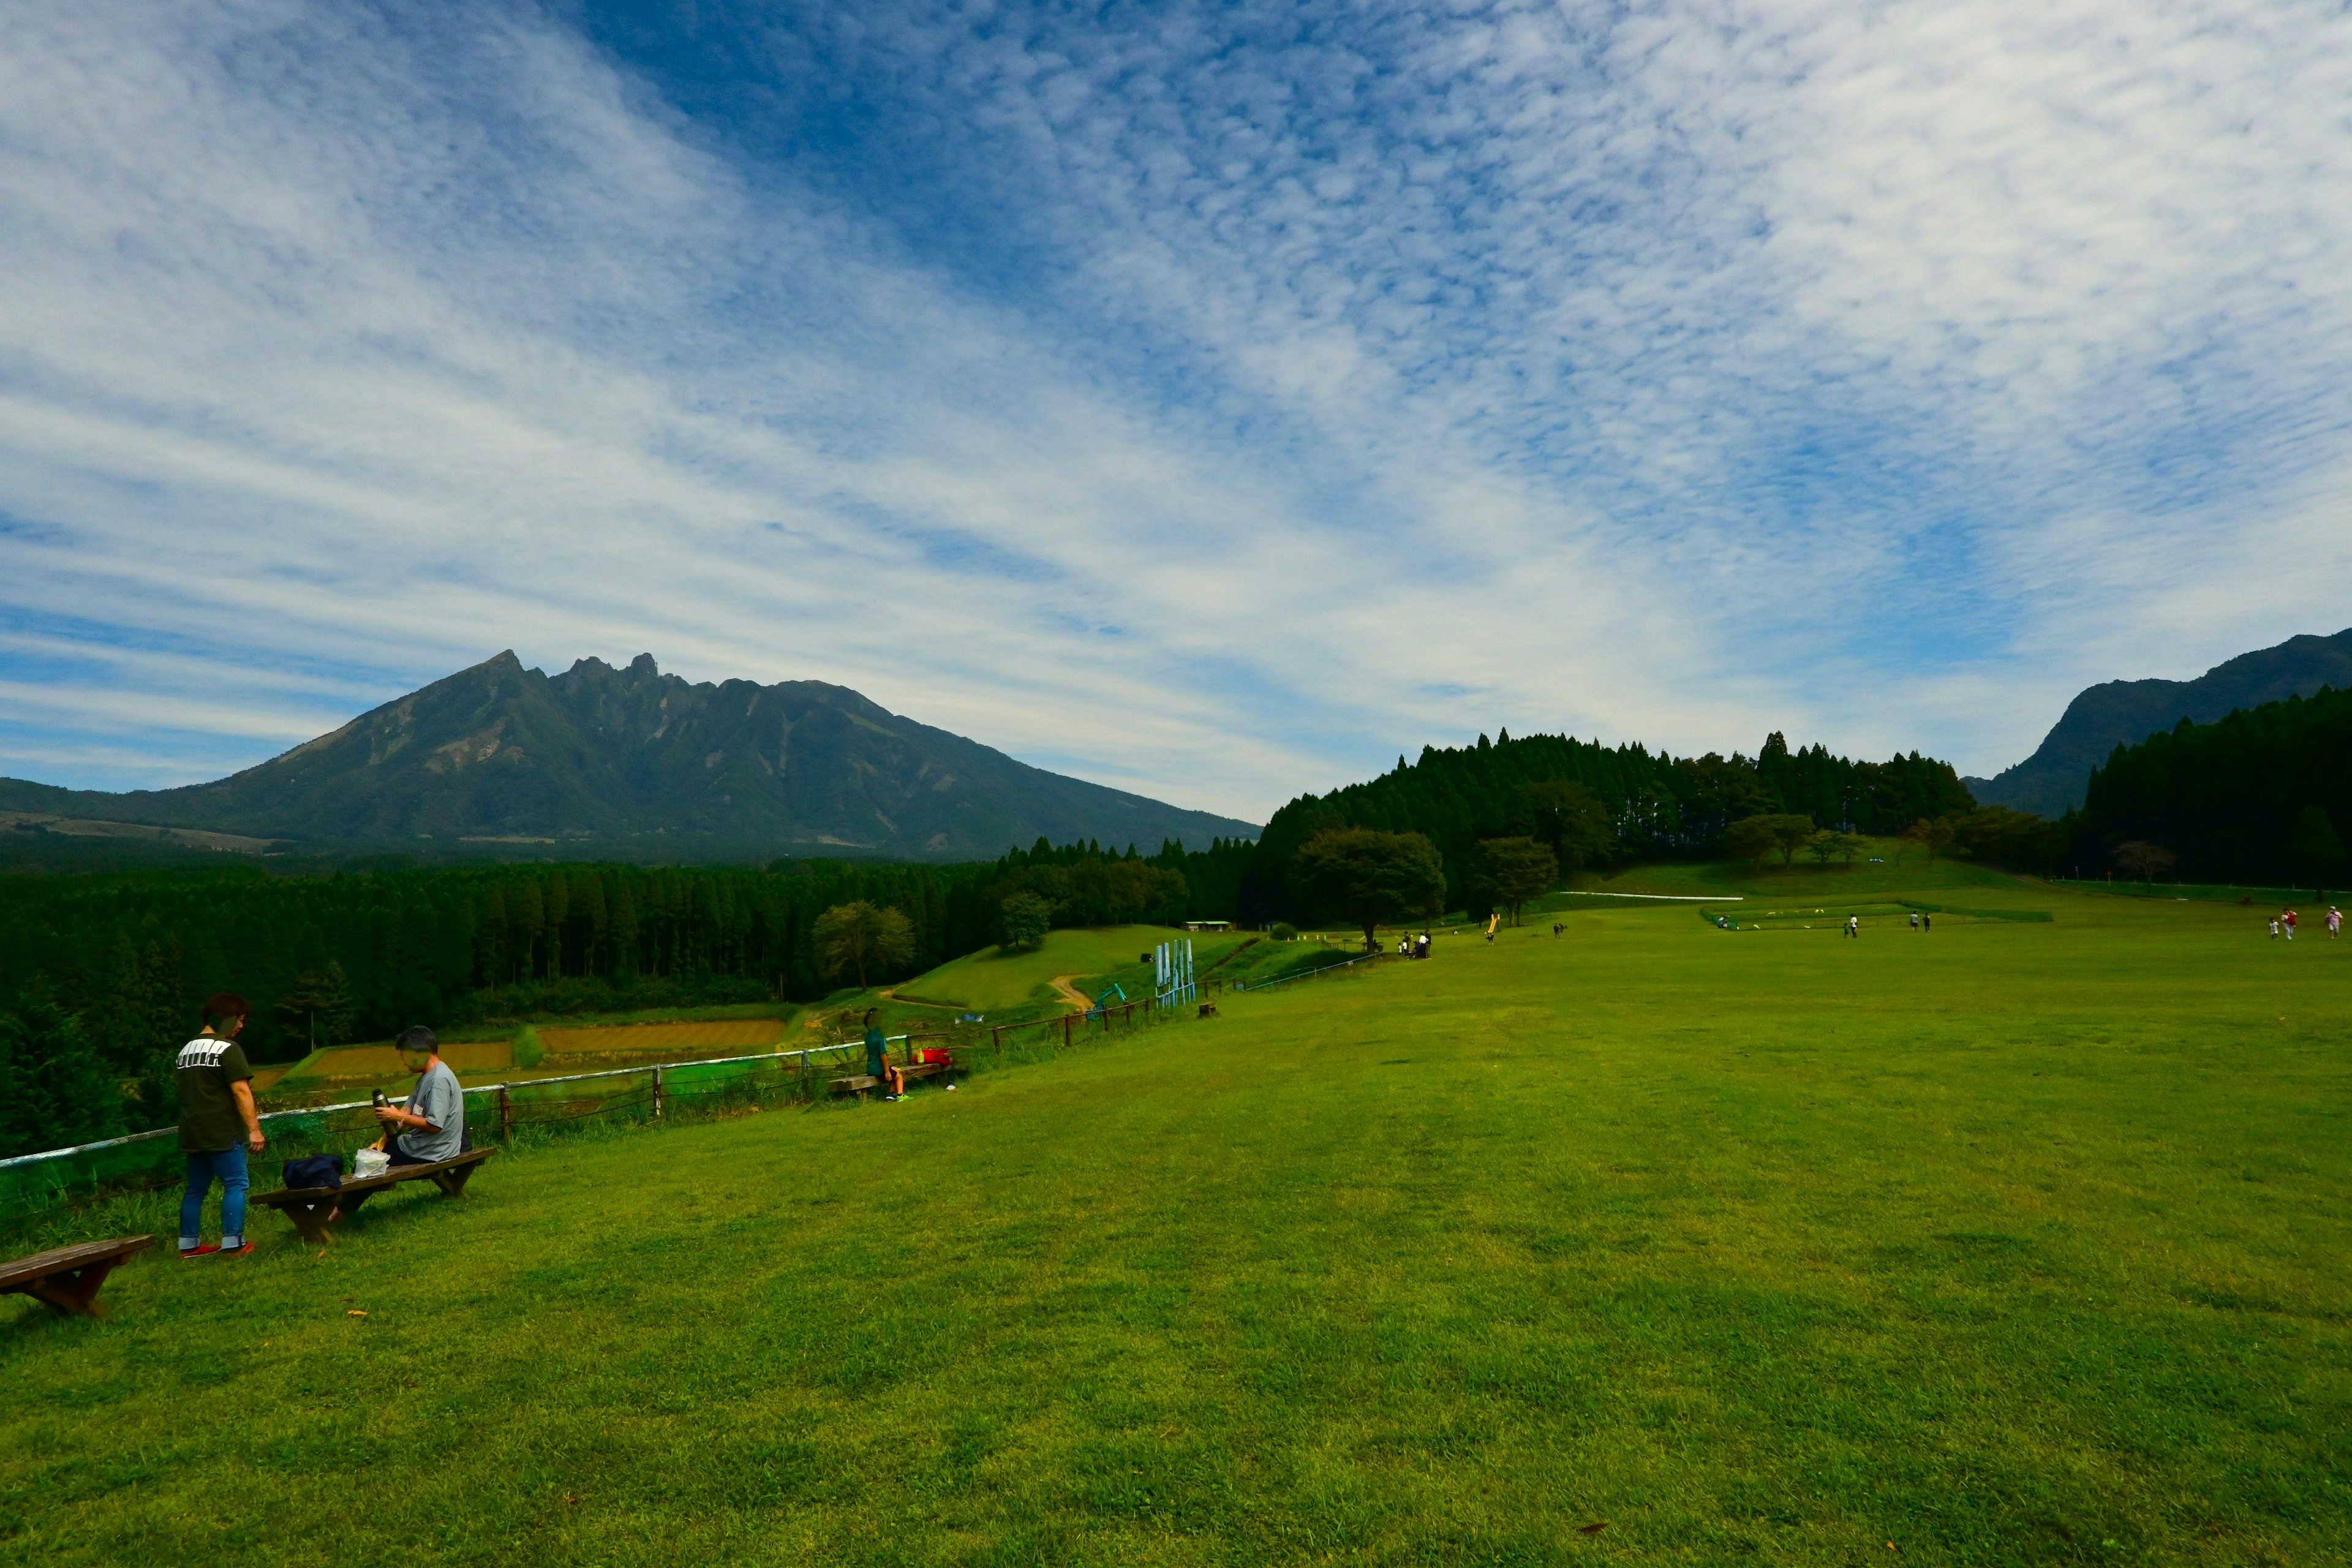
(237, 1251)
(210, 1246)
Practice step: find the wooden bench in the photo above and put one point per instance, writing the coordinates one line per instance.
(858, 1083)
(68, 1277)
(308, 1207)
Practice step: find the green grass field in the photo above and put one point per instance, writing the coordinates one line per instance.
(2015, 1242)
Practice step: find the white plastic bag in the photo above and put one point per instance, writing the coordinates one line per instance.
(370, 1162)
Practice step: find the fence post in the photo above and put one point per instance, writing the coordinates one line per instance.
(657, 1094)
(1066, 1030)
(506, 1116)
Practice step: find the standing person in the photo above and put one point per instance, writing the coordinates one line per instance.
(2334, 921)
(1928, 922)
(217, 1125)
(2287, 920)
(1853, 926)
(433, 1126)
(2275, 927)
(1421, 947)
(1915, 919)
(878, 1059)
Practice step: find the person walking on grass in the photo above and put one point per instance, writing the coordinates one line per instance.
(878, 1059)
(2334, 921)
(1853, 926)
(2275, 927)
(218, 1125)
(2287, 920)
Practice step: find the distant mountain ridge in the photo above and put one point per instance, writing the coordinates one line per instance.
(2126, 712)
(501, 753)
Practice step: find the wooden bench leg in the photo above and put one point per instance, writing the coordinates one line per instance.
(73, 1291)
(452, 1182)
(309, 1219)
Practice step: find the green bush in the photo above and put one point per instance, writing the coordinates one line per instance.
(530, 1050)
(1283, 931)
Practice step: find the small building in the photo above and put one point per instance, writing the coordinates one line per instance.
(1208, 925)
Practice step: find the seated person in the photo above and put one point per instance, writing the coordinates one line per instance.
(432, 1127)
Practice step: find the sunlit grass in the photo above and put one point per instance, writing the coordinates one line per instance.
(2010, 1243)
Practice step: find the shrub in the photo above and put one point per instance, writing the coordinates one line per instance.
(1283, 931)
(530, 1050)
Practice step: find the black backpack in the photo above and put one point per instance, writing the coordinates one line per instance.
(314, 1171)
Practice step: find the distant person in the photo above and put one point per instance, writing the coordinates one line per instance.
(2275, 927)
(877, 1060)
(2334, 921)
(2287, 920)
(1853, 926)
(1492, 921)
(1928, 922)
(1915, 919)
(433, 1126)
(1421, 947)
(217, 1125)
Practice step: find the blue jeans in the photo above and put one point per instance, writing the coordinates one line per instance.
(227, 1165)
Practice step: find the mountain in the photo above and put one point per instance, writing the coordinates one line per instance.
(501, 753)
(2126, 712)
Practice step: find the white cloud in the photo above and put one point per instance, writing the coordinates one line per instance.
(1870, 372)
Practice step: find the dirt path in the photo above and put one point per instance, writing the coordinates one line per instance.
(1067, 992)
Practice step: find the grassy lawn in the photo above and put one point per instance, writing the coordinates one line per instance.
(2013, 1243)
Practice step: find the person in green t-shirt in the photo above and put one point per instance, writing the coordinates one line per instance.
(878, 1059)
(217, 1124)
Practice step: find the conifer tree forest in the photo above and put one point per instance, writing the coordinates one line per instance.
(2262, 794)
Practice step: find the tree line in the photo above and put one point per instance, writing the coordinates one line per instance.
(1586, 804)
(2261, 795)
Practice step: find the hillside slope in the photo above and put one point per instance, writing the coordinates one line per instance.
(2125, 712)
(600, 752)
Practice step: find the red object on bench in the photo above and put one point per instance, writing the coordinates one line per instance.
(933, 1054)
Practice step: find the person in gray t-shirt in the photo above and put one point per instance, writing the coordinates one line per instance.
(433, 1127)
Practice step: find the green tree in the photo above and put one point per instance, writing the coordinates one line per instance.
(862, 936)
(530, 1050)
(1791, 833)
(317, 1006)
(2016, 839)
(1569, 819)
(54, 1092)
(1366, 877)
(1751, 839)
(1929, 833)
(1513, 870)
(1021, 922)
(1822, 848)
(1842, 845)
(2316, 848)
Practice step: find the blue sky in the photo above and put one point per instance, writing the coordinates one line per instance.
(1212, 401)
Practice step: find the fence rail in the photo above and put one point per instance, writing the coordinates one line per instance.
(30, 1184)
